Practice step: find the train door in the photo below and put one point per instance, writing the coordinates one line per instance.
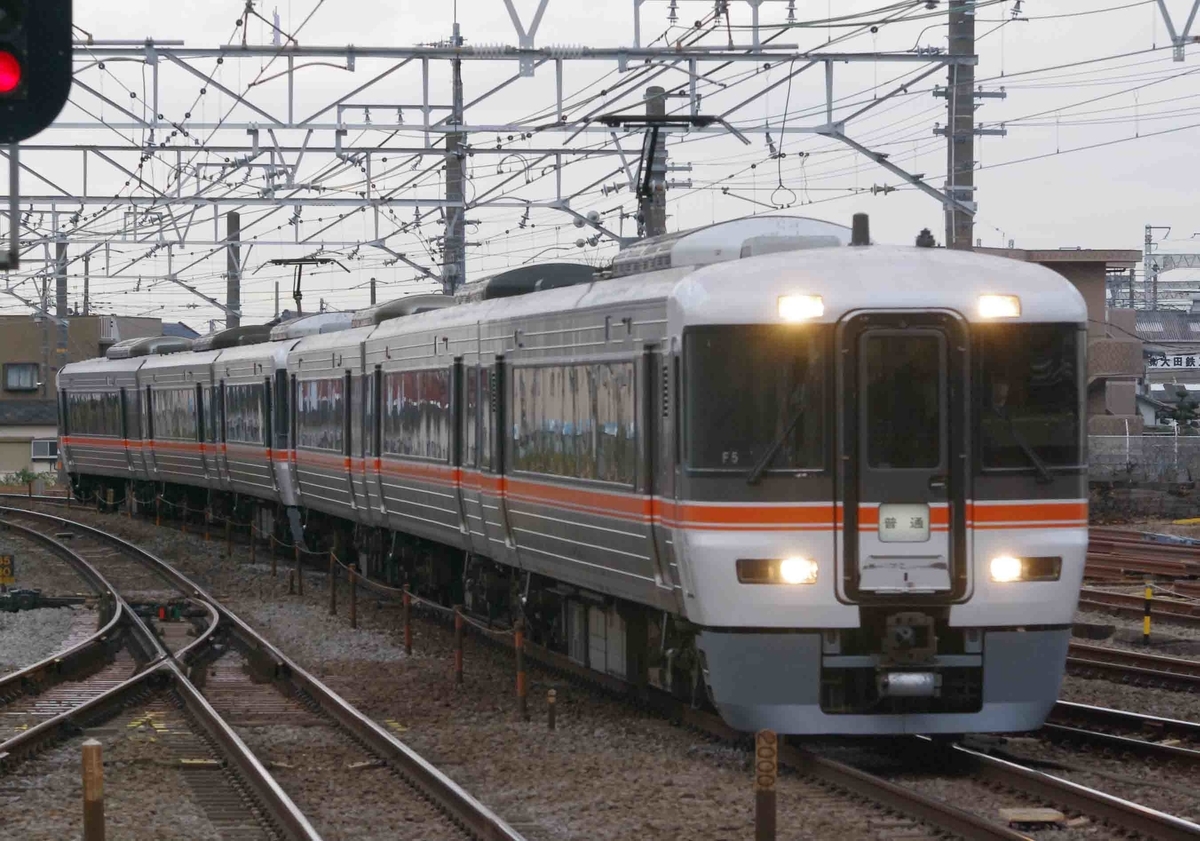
(473, 424)
(903, 456)
(148, 451)
(358, 445)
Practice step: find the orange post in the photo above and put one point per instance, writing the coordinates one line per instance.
(551, 701)
(407, 623)
(299, 574)
(519, 641)
(458, 645)
(332, 584)
(353, 596)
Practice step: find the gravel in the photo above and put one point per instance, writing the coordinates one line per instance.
(38, 568)
(607, 772)
(146, 795)
(33, 635)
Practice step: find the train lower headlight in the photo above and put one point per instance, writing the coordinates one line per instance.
(801, 307)
(999, 306)
(798, 571)
(1006, 568)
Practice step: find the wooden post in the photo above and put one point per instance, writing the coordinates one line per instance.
(291, 581)
(299, 574)
(183, 522)
(458, 645)
(129, 500)
(93, 791)
(109, 503)
(353, 596)
(228, 538)
(766, 769)
(253, 549)
(407, 622)
(551, 700)
(157, 509)
(519, 642)
(207, 522)
(332, 585)
(273, 542)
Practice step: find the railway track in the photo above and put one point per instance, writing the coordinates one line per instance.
(1134, 667)
(244, 698)
(1133, 605)
(1125, 732)
(891, 808)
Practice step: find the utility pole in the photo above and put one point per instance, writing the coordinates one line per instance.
(960, 127)
(233, 268)
(277, 299)
(372, 291)
(454, 251)
(87, 268)
(652, 208)
(60, 304)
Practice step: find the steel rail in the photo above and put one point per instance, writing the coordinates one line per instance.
(1174, 671)
(165, 671)
(477, 818)
(1122, 813)
(1104, 716)
(1132, 604)
(1126, 744)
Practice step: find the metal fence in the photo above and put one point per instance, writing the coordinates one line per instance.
(1152, 459)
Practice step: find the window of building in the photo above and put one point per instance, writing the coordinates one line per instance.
(417, 414)
(175, 414)
(44, 450)
(94, 413)
(576, 420)
(21, 376)
(320, 422)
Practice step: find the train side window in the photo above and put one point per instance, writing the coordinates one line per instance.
(245, 418)
(94, 413)
(416, 414)
(578, 421)
(320, 417)
(174, 413)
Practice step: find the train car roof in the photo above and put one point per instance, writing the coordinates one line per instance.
(871, 277)
(274, 352)
(100, 366)
(178, 361)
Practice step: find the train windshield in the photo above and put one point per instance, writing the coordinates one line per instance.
(1028, 398)
(752, 389)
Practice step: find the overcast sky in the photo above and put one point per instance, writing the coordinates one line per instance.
(1037, 186)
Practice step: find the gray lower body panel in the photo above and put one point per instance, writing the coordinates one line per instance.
(772, 681)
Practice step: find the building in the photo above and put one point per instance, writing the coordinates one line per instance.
(1116, 366)
(29, 359)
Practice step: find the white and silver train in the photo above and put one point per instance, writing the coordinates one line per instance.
(838, 488)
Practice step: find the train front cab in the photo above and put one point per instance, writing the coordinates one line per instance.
(936, 592)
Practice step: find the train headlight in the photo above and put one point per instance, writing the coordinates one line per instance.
(794, 570)
(801, 307)
(1006, 568)
(798, 571)
(999, 306)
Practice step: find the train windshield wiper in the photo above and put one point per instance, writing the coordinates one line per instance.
(1043, 472)
(763, 463)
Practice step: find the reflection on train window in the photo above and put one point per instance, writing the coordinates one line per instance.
(320, 421)
(416, 414)
(902, 383)
(174, 413)
(1027, 394)
(94, 413)
(133, 401)
(749, 387)
(576, 420)
(470, 428)
(244, 421)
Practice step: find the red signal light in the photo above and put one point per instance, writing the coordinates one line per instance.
(10, 72)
